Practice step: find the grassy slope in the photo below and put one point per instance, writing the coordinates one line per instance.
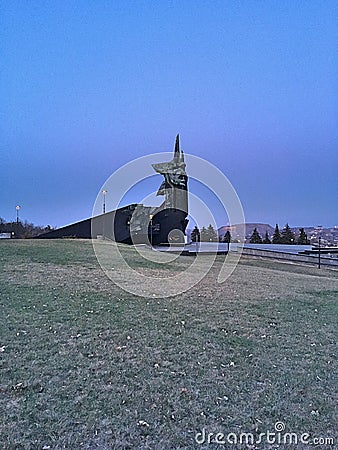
(84, 362)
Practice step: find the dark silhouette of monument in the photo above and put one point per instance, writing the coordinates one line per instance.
(137, 223)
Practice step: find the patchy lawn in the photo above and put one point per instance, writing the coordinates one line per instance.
(87, 365)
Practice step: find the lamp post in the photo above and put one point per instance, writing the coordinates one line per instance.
(104, 192)
(17, 208)
(319, 227)
(151, 229)
(17, 213)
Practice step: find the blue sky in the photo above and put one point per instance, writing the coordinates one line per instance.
(251, 86)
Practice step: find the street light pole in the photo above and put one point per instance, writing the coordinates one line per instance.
(104, 192)
(17, 213)
(319, 227)
(17, 208)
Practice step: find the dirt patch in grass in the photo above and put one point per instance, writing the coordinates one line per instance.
(87, 365)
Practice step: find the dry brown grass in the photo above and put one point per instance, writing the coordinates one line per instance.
(87, 365)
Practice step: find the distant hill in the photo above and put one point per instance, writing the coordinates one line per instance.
(237, 230)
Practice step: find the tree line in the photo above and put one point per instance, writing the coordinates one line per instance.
(209, 234)
(22, 230)
(286, 236)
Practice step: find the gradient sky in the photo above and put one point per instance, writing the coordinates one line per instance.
(87, 86)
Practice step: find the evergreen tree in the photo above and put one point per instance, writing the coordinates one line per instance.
(209, 234)
(204, 234)
(287, 236)
(302, 238)
(212, 234)
(195, 235)
(266, 240)
(255, 237)
(227, 237)
(276, 238)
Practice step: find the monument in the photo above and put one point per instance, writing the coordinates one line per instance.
(136, 223)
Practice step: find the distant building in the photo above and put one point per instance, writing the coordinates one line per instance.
(5, 235)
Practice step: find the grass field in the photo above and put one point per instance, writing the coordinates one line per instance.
(87, 365)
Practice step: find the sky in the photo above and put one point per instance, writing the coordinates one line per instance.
(251, 86)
